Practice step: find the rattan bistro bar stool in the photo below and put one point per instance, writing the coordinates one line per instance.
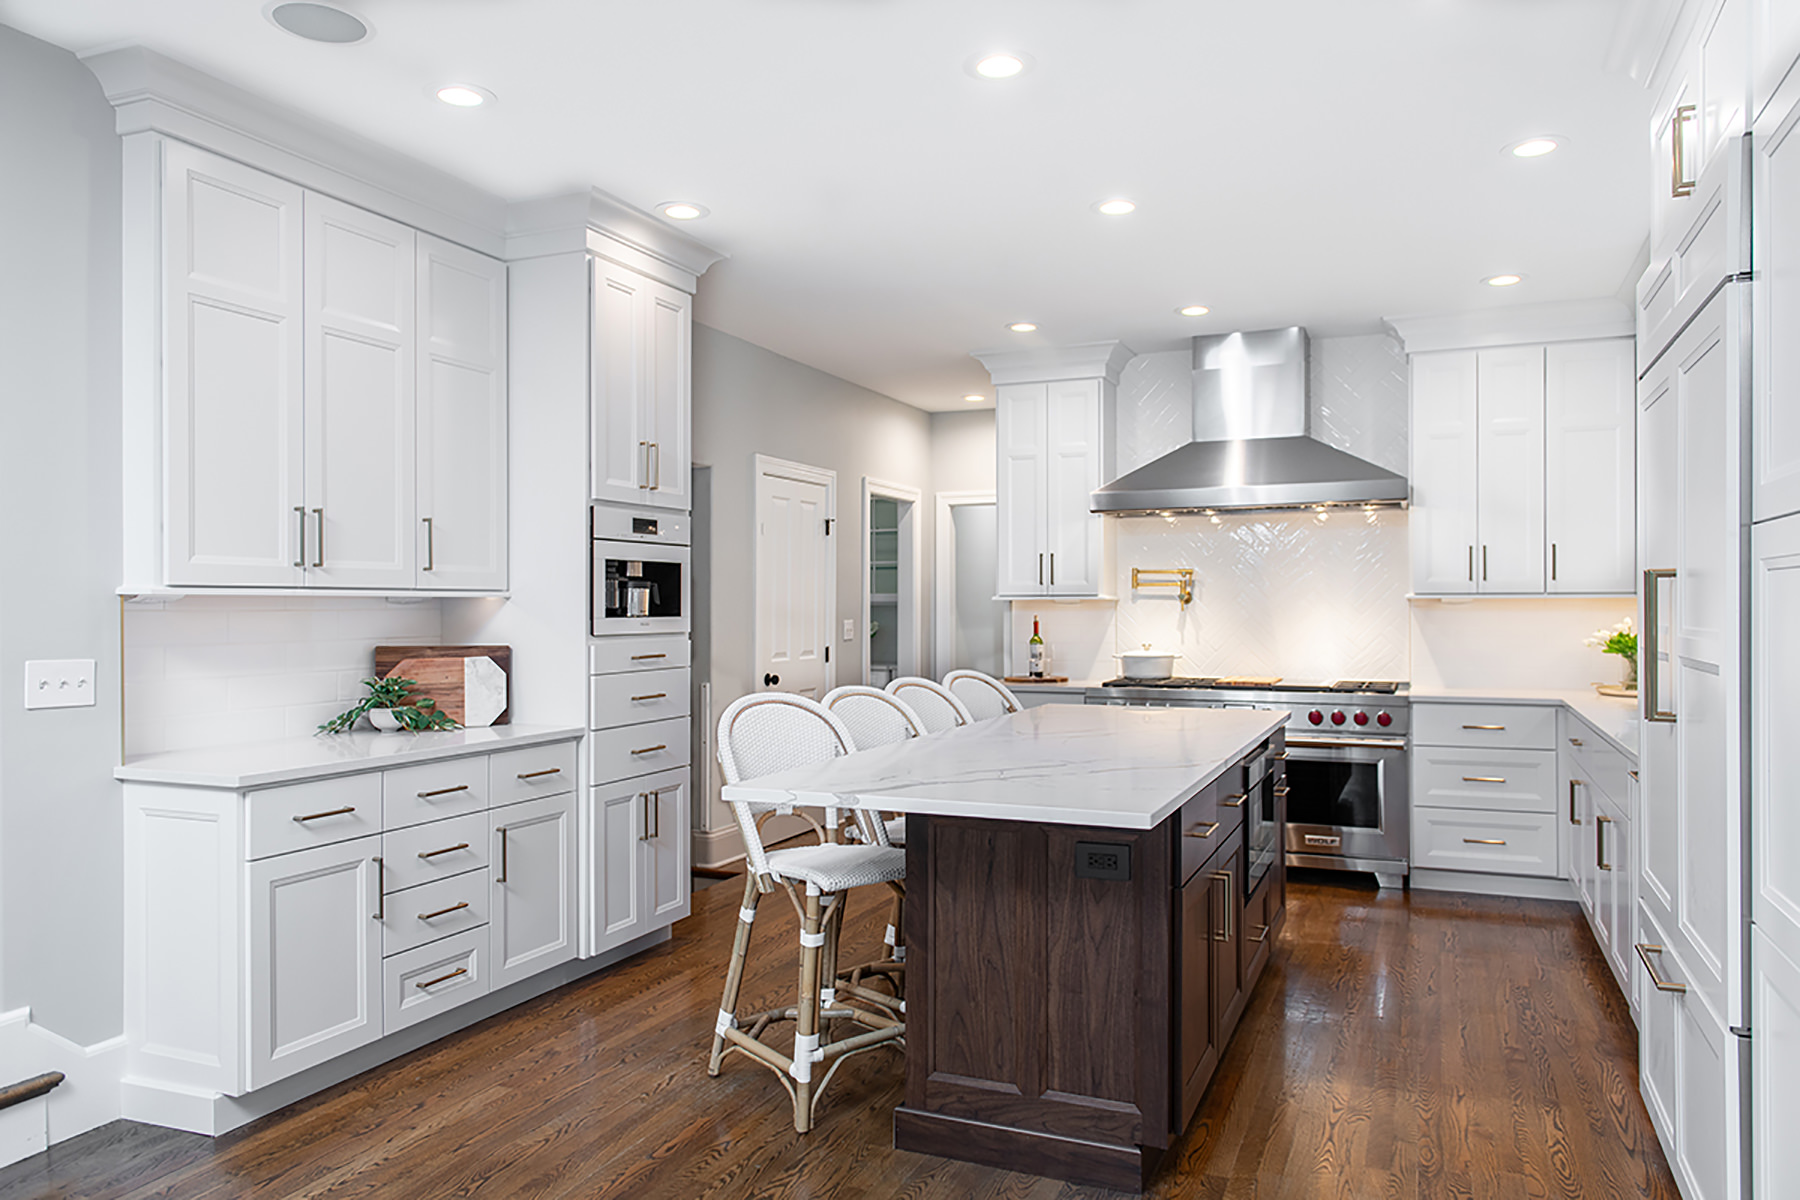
(759, 735)
(876, 718)
(984, 696)
(937, 709)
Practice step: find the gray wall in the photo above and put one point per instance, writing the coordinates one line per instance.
(962, 451)
(61, 926)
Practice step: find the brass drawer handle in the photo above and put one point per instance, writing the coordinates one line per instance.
(1576, 742)
(1662, 985)
(1230, 882)
(443, 978)
(1484, 779)
(642, 657)
(461, 787)
(1279, 754)
(1262, 937)
(651, 696)
(1282, 790)
(431, 854)
(1573, 784)
(540, 774)
(1600, 824)
(330, 812)
(1484, 727)
(651, 749)
(1228, 802)
(1212, 827)
(1485, 841)
(443, 912)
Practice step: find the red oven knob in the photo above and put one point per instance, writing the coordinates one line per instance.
(1316, 717)
(1337, 718)
(1383, 720)
(1361, 718)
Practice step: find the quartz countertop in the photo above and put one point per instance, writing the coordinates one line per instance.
(1613, 718)
(1074, 685)
(265, 763)
(1067, 764)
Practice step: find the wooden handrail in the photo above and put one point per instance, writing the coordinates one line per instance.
(29, 1089)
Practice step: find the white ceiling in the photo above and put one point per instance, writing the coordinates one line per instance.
(1319, 162)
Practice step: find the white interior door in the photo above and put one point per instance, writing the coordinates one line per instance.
(1590, 465)
(361, 348)
(1441, 525)
(1509, 494)
(795, 578)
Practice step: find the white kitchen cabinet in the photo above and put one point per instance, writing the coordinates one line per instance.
(1774, 1051)
(1775, 300)
(1774, 47)
(1590, 468)
(1612, 914)
(641, 390)
(668, 879)
(1441, 522)
(533, 925)
(461, 527)
(231, 307)
(641, 849)
(1704, 106)
(360, 412)
(1052, 441)
(315, 956)
(1509, 485)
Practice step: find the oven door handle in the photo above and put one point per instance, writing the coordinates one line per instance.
(1303, 741)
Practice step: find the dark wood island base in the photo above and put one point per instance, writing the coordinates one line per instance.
(1071, 989)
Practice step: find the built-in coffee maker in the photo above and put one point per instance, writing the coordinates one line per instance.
(638, 579)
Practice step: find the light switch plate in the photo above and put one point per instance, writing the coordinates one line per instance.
(59, 683)
(849, 629)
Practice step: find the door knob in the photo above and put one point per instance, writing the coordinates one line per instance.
(771, 680)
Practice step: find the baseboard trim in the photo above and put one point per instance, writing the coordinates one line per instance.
(718, 847)
(1095, 1164)
(87, 1098)
(1524, 887)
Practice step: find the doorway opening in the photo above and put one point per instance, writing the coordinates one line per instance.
(891, 583)
(969, 629)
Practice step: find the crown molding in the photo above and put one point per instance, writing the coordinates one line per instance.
(151, 93)
(1521, 324)
(1046, 364)
(601, 223)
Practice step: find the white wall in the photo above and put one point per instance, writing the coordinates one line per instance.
(61, 828)
(1513, 643)
(962, 451)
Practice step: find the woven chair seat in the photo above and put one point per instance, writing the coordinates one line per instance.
(837, 867)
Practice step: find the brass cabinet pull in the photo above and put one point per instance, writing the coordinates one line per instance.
(380, 893)
(1662, 985)
(656, 474)
(1484, 779)
(300, 552)
(1633, 774)
(444, 912)
(1040, 569)
(1230, 883)
(501, 878)
(540, 774)
(1485, 841)
(431, 854)
(1484, 727)
(330, 812)
(1471, 564)
(1484, 564)
(651, 749)
(1279, 754)
(642, 657)
(1053, 568)
(443, 978)
(644, 452)
(650, 696)
(319, 550)
(1282, 790)
(1262, 937)
(1212, 827)
(1573, 784)
(430, 544)
(1235, 800)
(1679, 184)
(1600, 824)
(1649, 651)
(1552, 562)
(1576, 742)
(461, 787)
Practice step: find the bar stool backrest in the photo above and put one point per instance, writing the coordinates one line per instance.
(873, 717)
(984, 696)
(766, 732)
(937, 709)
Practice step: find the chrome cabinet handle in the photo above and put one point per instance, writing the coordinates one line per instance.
(650, 696)
(1600, 824)
(444, 912)
(1040, 568)
(428, 855)
(430, 544)
(541, 774)
(1679, 184)
(380, 913)
(1662, 985)
(1485, 841)
(1471, 564)
(1484, 779)
(1212, 827)
(443, 978)
(319, 550)
(1230, 883)
(1053, 568)
(1552, 562)
(651, 749)
(461, 787)
(300, 553)
(330, 812)
(1573, 784)
(1649, 651)
(501, 830)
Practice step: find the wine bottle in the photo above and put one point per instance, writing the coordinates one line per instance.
(1035, 669)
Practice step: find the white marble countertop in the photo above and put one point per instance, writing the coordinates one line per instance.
(1613, 718)
(265, 763)
(1074, 685)
(1067, 764)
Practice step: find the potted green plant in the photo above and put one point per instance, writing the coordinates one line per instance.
(390, 705)
(1621, 640)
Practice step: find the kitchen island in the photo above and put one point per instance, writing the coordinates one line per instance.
(1091, 894)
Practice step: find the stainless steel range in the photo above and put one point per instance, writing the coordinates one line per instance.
(1346, 765)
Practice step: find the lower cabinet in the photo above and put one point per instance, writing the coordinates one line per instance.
(533, 925)
(641, 851)
(1599, 789)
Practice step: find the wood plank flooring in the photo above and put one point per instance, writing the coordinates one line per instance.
(1423, 1046)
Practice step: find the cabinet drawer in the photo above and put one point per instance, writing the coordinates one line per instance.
(1495, 780)
(433, 910)
(312, 814)
(435, 790)
(609, 656)
(1596, 763)
(433, 978)
(1451, 839)
(615, 700)
(638, 750)
(535, 771)
(1517, 726)
(435, 850)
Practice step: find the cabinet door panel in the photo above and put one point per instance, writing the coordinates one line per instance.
(232, 301)
(315, 955)
(1657, 1020)
(462, 489)
(533, 923)
(617, 416)
(1659, 515)
(668, 880)
(1441, 523)
(1197, 1053)
(1022, 420)
(1774, 44)
(1775, 709)
(361, 333)
(1073, 469)
(619, 891)
(1724, 56)
(1776, 304)
(1590, 465)
(1774, 1084)
(1509, 493)
(668, 326)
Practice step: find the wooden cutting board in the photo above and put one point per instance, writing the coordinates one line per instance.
(439, 672)
(1249, 680)
(1036, 679)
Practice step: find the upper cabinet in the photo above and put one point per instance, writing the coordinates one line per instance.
(331, 410)
(642, 389)
(1775, 303)
(1522, 470)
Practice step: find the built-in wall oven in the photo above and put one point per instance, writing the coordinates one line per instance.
(1347, 804)
(638, 578)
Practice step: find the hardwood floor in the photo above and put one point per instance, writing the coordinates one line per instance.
(1422, 1046)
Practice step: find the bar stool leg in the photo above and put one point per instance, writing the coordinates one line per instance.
(806, 1033)
(734, 974)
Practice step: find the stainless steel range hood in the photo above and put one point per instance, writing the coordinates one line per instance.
(1251, 449)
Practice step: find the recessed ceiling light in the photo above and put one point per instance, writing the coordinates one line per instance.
(1193, 310)
(1117, 207)
(319, 22)
(1502, 280)
(465, 95)
(1534, 147)
(974, 399)
(682, 210)
(997, 64)
(1022, 327)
